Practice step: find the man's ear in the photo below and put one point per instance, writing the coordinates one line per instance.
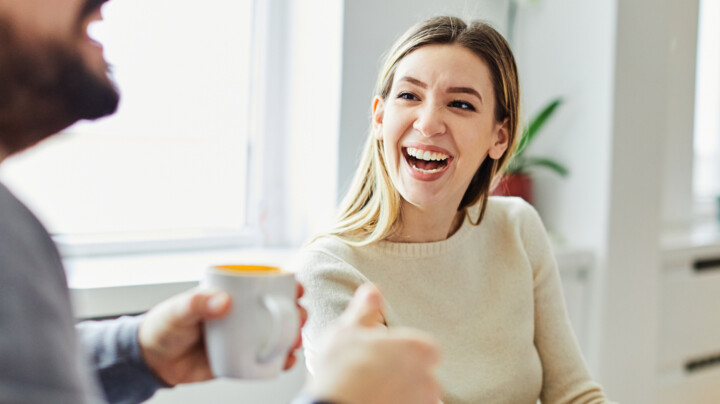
(378, 108)
(500, 140)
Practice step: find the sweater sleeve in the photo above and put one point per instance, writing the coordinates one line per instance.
(114, 351)
(329, 284)
(566, 378)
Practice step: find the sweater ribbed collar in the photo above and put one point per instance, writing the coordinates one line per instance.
(429, 249)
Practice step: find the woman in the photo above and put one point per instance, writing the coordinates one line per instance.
(478, 273)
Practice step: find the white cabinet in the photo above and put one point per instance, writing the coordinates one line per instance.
(688, 361)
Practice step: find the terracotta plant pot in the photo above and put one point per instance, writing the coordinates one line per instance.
(514, 185)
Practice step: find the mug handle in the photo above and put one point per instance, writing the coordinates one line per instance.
(285, 325)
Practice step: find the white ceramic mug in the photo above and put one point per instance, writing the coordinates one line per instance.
(254, 339)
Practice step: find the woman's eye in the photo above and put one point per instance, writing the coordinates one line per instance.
(407, 96)
(462, 105)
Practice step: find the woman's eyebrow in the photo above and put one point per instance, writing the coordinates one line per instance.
(451, 90)
(465, 90)
(413, 80)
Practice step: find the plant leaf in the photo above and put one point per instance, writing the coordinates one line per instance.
(547, 163)
(515, 165)
(537, 122)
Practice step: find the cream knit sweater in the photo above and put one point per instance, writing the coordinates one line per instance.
(490, 295)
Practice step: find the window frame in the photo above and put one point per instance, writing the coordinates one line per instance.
(264, 181)
(706, 208)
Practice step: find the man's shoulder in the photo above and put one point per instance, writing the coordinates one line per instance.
(24, 241)
(15, 217)
(35, 313)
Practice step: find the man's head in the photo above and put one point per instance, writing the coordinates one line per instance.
(51, 73)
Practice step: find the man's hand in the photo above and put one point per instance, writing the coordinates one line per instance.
(361, 361)
(171, 335)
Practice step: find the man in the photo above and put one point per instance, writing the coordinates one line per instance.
(51, 75)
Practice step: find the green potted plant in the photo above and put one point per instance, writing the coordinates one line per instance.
(516, 180)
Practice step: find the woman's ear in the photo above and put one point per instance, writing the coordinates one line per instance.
(378, 108)
(500, 140)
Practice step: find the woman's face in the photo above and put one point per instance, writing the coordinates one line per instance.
(438, 125)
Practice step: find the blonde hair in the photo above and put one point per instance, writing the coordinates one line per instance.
(370, 211)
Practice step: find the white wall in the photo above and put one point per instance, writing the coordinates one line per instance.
(677, 193)
(566, 48)
(627, 336)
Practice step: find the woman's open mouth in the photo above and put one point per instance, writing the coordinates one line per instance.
(426, 161)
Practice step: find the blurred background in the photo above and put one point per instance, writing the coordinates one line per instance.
(241, 124)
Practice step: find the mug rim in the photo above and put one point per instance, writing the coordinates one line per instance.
(262, 270)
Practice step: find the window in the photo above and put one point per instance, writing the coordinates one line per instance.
(174, 159)
(706, 182)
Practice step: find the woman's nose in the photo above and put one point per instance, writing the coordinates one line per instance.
(430, 121)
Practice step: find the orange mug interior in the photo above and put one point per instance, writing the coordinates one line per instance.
(249, 268)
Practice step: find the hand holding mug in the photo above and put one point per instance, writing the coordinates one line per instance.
(171, 340)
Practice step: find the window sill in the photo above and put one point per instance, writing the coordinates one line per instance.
(112, 285)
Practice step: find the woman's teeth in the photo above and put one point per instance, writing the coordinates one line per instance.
(434, 170)
(425, 161)
(426, 155)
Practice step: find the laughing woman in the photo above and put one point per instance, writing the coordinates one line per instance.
(478, 273)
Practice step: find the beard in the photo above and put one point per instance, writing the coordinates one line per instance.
(45, 87)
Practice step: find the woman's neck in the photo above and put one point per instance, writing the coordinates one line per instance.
(423, 226)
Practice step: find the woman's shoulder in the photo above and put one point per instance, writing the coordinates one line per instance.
(329, 245)
(518, 216)
(510, 209)
(326, 259)
(323, 251)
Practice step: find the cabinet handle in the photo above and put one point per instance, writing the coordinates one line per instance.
(702, 363)
(709, 264)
